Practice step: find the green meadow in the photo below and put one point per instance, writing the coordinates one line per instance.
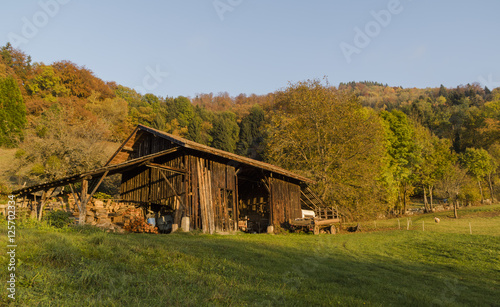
(383, 265)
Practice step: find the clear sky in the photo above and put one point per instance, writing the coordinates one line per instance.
(185, 47)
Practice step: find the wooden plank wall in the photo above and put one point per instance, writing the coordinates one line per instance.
(146, 144)
(141, 144)
(214, 204)
(146, 185)
(285, 201)
(208, 190)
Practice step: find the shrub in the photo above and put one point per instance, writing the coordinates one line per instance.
(4, 191)
(59, 218)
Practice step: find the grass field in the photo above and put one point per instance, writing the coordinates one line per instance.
(444, 265)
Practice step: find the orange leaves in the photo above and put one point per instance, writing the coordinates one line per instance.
(81, 81)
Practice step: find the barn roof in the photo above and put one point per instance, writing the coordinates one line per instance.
(212, 151)
(116, 164)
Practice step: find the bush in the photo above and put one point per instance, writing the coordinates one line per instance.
(4, 189)
(59, 218)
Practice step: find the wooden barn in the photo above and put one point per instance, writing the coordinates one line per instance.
(174, 178)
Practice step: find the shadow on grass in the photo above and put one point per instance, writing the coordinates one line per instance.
(181, 269)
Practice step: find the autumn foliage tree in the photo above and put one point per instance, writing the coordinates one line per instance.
(65, 140)
(326, 135)
(80, 81)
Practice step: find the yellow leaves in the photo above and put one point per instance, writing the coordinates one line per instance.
(327, 135)
(46, 84)
(441, 100)
(175, 128)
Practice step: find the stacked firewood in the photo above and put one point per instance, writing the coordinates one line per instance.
(105, 214)
(116, 217)
(137, 223)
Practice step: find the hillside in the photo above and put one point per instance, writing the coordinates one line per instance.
(369, 147)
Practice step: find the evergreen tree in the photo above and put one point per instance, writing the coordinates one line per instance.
(225, 131)
(12, 113)
(251, 135)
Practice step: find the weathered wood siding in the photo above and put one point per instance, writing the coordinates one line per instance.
(141, 144)
(147, 144)
(284, 201)
(146, 185)
(208, 190)
(213, 204)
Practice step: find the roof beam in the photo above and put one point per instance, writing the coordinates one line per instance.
(166, 168)
(111, 169)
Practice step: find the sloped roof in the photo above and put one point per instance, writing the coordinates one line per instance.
(216, 152)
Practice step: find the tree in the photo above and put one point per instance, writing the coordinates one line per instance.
(46, 84)
(225, 131)
(201, 126)
(12, 113)
(479, 163)
(18, 61)
(251, 134)
(80, 81)
(494, 152)
(436, 158)
(454, 178)
(65, 140)
(113, 112)
(403, 151)
(326, 135)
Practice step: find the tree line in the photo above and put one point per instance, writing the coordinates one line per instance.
(368, 146)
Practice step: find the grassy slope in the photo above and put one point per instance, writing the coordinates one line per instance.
(441, 266)
(480, 220)
(7, 157)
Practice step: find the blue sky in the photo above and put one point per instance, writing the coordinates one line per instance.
(185, 47)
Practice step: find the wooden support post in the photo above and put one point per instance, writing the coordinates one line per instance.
(185, 180)
(271, 202)
(76, 197)
(210, 204)
(202, 196)
(236, 207)
(36, 205)
(85, 196)
(46, 195)
(83, 202)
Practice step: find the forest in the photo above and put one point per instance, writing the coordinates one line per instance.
(370, 148)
